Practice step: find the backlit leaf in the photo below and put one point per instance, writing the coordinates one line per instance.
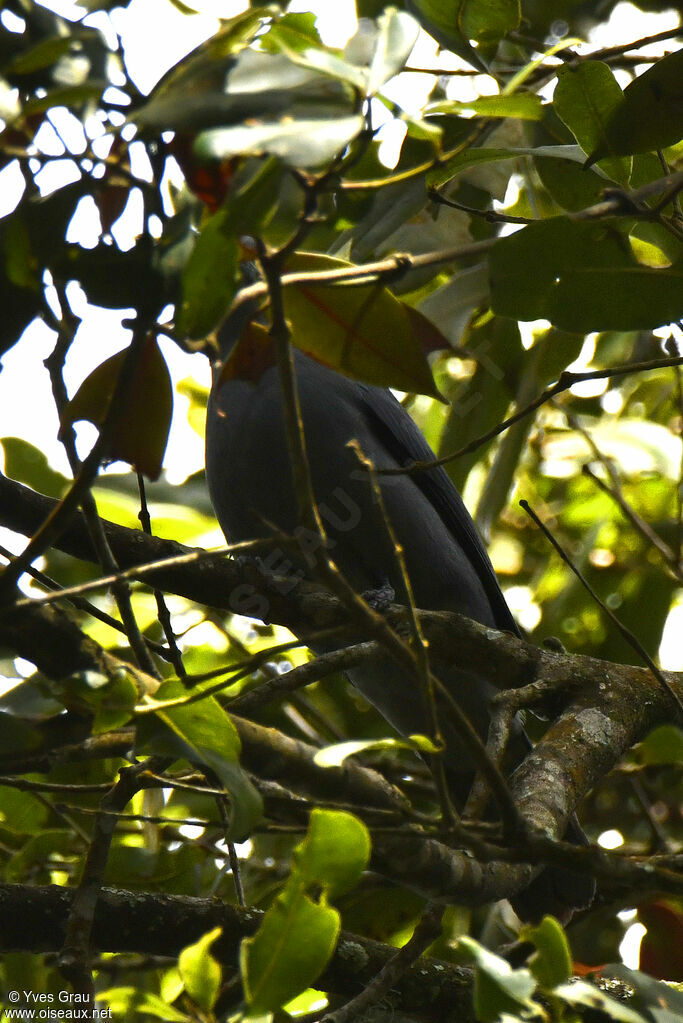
(141, 429)
(360, 330)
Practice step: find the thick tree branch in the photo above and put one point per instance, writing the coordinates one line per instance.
(165, 924)
(611, 707)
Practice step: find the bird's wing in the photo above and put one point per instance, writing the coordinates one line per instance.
(404, 442)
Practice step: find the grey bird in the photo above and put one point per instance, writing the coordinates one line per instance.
(250, 483)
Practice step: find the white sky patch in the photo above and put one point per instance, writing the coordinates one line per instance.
(611, 839)
(629, 949)
(671, 648)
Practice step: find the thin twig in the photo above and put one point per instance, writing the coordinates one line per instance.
(174, 653)
(565, 381)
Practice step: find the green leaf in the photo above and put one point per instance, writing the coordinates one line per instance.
(110, 700)
(581, 277)
(497, 987)
(211, 274)
(32, 860)
(334, 756)
(662, 746)
(69, 96)
(289, 951)
(43, 54)
(292, 32)
(21, 813)
(132, 1003)
(362, 330)
(551, 964)
(489, 20)
(471, 157)
(29, 465)
(297, 936)
(453, 25)
(585, 99)
(141, 433)
(443, 23)
(200, 972)
(192, 91)
(203, 733)
(209, 279)
(302, 142)
(581, 995)
(525, 105)
(334, 853)
(396, 36)
(650, 115)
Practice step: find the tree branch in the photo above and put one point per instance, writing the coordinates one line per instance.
(165, 924)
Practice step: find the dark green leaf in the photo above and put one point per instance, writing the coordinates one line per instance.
(650, 115)
(489, 20)
(444, 24)
(453, 25)
(471, 157)
(585, 99)
(581, 277)
(211, 274)
(21, 813)
(43, 54)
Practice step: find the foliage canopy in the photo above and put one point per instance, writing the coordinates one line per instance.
(520, 255)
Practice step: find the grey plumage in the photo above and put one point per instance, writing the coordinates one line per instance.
(249, 479)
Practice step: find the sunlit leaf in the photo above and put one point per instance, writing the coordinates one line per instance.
(396, 36)
(289, 951)
(551, 963)
(525, 105)
(297, 935)
(334, 853)
(199, 970)
(27, 464)
(497, 987)
(334, 756)
(128, 1002)
(361, 330)
(582, 995)
(203, 733)
(304, 142)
